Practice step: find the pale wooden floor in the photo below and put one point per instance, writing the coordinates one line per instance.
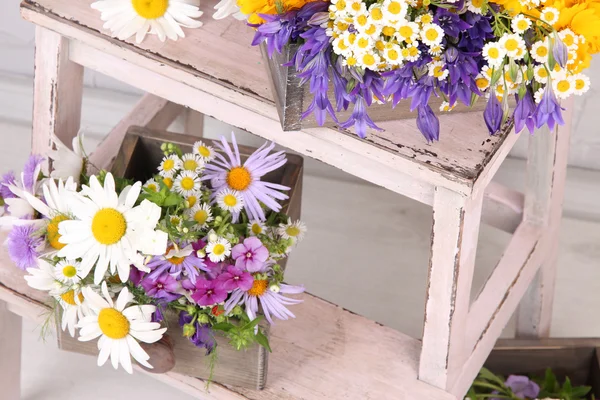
(366, 250)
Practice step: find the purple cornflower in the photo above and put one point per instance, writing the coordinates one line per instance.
(209, 293)
(524, 113)
(559, 51)
(548, 111)
(493, 113)
(235, 278)
(203, 334)
(7, 179)
(176, 262)
(164, 287)
(428, 123)
(522, 387)
(31, 171)
(23, 246)
(250, 255)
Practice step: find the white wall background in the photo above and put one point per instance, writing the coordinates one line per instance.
(16, 58)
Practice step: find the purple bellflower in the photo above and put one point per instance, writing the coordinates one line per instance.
(493, 114)
(559, 51)
(548, 111)
(428, 123)
(203, 334)
(524, 113)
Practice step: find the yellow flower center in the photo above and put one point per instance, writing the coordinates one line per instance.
(200, 217)
(392, 54)
(190, 165)
(426, 18)
(108, 226)
(259, 287)
(388, 31)
(192, 200)
(69, 297)
(69, 271)
(477, 3)
(371, 29)
(368, 59)
(168, 182)
(548, 16)
(113, 323)
(431, 34)
(405, 31)
(351, 61)
(150, 9)
(493, 53)
(175, 220)
(219, 249)
(356, 5)
(438, 71)
(187, 183)
(379, 45)
(563, 86)
(568, 40)
(481, 83)
(340, 5)
(230, 200)
(511, 44)
(256, 229)
(542, 72)
(394, 8)
(168, 165)
(541, 51)
(52, 232)
(361, 20)
(203, 151)
(153, 187)
(239, 178)
(413, 52)
(522, 25)
(292, 231)
(363, 43)
(579, 84)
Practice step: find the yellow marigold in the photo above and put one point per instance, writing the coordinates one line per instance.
(254, 7)
(583, 18)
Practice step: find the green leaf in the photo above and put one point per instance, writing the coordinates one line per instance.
(496, 75)
(172, 200)
(580, 392)
(252, 323)
(223, 326)
(550, 382)
(490, 376)
(263, 341)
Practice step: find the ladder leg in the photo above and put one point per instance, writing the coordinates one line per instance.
(10, 354)
(456, 221)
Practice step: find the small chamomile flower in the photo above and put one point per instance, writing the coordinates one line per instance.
(493, 53)
(192, 162)
(424, 19)
(487, 71)
(376, 13)
(436, 50)
(187, 183)
(445, 106)
(205, 151)
(569, 38)
(369, 60)
(192, 199)
(341, 46)
(520, 24)
(537, 96)
(355, 7)
(294, 230)
(582, 84)
(540, 73)
(437, 70)
(218, 250)
(363, 43)
(152, 185)
(513, 45)
(563, 85)
(338, 6)
(68, 272)
(408, 31)
(482, 81)
(539, 51)
(393, 54)
(394, 10)
(432, 35)
(201, 213)
(256, 228)
(175, 221)
(476, 6)
(349, 61)
(169, 165)
(361, 20)
(230, 200)
(549, 15)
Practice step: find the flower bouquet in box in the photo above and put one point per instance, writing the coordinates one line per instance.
(201, 239)
(525, 52)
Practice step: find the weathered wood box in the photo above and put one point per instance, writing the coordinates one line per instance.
(292, 99)
(579, 359)
(137, 157)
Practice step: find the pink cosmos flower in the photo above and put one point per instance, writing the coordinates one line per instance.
(250, 255)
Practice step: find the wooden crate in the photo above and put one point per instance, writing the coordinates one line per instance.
(579, 359)
(137, 158)
(292, 99)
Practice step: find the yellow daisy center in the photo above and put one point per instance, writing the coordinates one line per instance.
(200, 217)
(363, 43)
(292, 231)
(192, 200)
(168, 182)
(239, 178)
(413, 52)
(356, 6)
(203, 151)
(543, 73)
(392, 54)
(549, 16)
(541, 51)
(579, 84)
(431, 34)
(511, 44)
(361, 20)
(481, 82)
(69, 271)
(69, 297)
(379, 45)
(259, 287)
(376, 14)
(108, 226)
(563, 86)
(405, 31)
(340, 5)
(150, 9)
(388, 31)
(438, 71)
(52, 232)
(426, 18)
(568, 40)
(113, 323)
(522, 25)
(394, 8)
(351, 61)
(168, 164)
(493, 52)
(230, 200)
(153, 187)
(219, 249)
(368, 59)
(371, 29)
(477, 3)
(190, 165)
(256, 229)
(187, 183)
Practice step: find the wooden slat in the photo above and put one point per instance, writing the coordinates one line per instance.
(502, 207)
(10, 353)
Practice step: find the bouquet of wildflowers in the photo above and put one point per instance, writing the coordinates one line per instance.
(201, 239)
(378, 51)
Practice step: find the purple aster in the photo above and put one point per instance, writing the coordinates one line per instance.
(203, 335)
(227, 171)
(250, 255)
(493, 113)
(178, 263)
(31, 171)
(522, 387)
(23, 246)
(7, 179)
(234, 278)
(164, 287)
(428, 123)
(548, 111)
(209, 293)
(524, 113)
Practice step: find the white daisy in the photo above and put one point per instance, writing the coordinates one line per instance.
(437, 70)
(436, 50)
(513, 45)
(226, 8)
(445, 106)
(256, 228)
(192, 199)
(294, 230)
(218, 250)
(424, 19)
(67, 163)
(482, 82)
(175, 220)
(205, 151)
(192, 162)
(540, 73)
(68, 272)
(355, 7)
(475, 6)
(187, 183)
(394, 10)
(201, 213)
(230, 200)
(109, 230)
(408, 31)
(169, 165)
(43, 277)
(119, 327)
(539, 51)
(125, 18)
(563, 85)
(549, 15)
(582, 84)
(432, 34)
(520, 24)
(493, 53)
(152, 185)
(393, 54)
(569, 38)
(538, 95)
(74, 308)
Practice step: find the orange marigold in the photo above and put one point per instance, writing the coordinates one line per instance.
(254, 7)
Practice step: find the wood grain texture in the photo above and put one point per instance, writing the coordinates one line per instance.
(58, 86)
(10, 353)
(174, 72)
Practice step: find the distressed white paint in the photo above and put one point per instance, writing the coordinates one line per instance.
(10, 353)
